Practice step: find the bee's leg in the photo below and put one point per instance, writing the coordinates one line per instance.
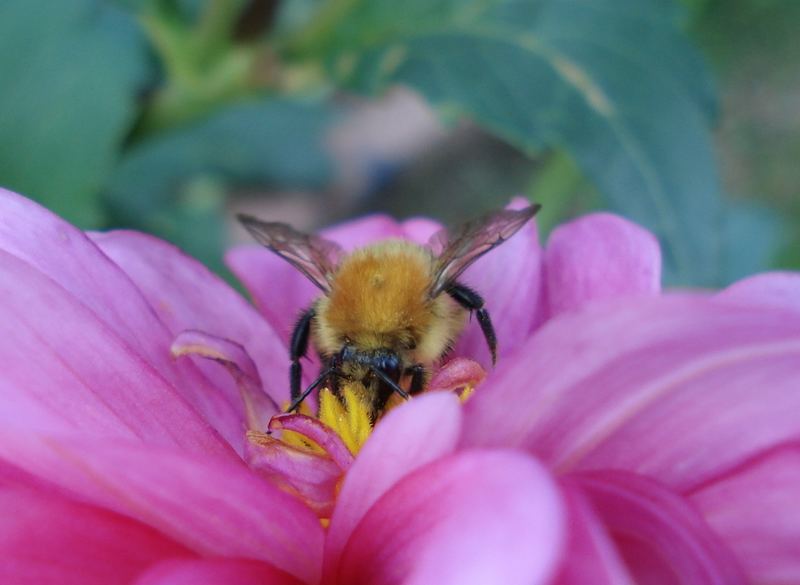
(417, 373)
(298, 346)
(300, 397)
(472, 301)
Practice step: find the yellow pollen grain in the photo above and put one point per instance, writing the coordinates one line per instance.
(466, 393)
(349, 417)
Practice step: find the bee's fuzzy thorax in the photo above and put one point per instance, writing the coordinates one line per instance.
(380, 297)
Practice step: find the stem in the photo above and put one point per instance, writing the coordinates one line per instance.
(312, 38)
(214, 30)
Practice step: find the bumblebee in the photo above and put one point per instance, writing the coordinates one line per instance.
(388, 311)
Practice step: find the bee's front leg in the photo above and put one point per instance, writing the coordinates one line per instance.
(298, 347)
(418, 375)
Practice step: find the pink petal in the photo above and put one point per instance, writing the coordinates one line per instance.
(471, 518)
(420, 229)
(410, 436)
(509, 280)
(780, 290)
(364, 230)
(210, 505)
(186, 295)
(65, 255)
(66, 370)
(47, 539)
(214, 572)
(598, 257)
(755, 509)
(662, 538)
(662, 387)
(255, 406)
(591, 555)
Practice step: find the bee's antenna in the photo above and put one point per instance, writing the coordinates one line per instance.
(320, 379)
(389, 382)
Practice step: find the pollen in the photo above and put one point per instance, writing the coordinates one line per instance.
(348, 417)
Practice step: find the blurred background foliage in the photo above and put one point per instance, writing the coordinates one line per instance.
(169, 115)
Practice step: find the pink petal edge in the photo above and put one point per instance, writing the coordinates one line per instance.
(471, 518)
(598, 257)
(780, 290)
(109, 390)
(408, 437)
(642, 403)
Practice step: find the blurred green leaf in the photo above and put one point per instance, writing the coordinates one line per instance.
(164, 185)
(751, 235)
(613, 82)
(70, 74)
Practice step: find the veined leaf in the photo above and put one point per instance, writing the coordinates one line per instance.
(613, 82)
(70, 71)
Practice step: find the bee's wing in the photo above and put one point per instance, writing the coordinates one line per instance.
(313, 256)
(472, 240)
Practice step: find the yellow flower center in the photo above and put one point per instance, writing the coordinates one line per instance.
(348, 417)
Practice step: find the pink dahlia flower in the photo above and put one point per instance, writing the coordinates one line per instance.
(624, 437)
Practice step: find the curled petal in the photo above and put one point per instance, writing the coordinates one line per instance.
(186, 295)
(474, 517)
(662, 538)
(312, 476)
(780, 290)
(212, 506)
(408, 437)
(308, 459)
(214, 572)
(643, 385)
(458, 374)
(755, 510)
(509, 280)
(46, 539)
(257, 406)
(313, 429)
(600, 256)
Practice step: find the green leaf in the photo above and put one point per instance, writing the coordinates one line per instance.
(612, 82)
(162, 184)
(751, 235)
(70, 73)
